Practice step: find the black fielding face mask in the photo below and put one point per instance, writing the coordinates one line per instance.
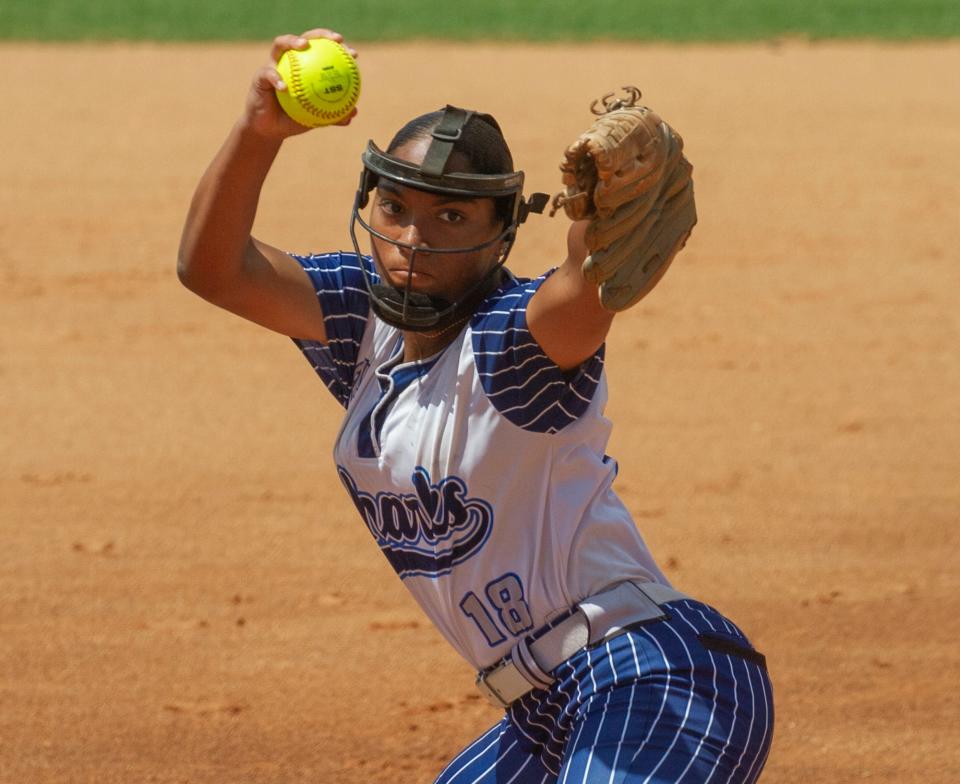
(414, 311)
(417, 312)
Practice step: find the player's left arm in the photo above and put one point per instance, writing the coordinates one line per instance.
(629, 190)
(565, 315)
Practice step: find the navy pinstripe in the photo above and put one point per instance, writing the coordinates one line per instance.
(653, 705)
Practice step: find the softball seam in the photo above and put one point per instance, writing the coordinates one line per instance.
(299, 93)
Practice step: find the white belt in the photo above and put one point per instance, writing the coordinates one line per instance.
(595, 619)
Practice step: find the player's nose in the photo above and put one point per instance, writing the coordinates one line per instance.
(411, 235)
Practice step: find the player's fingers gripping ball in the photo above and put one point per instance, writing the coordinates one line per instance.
(628, 176)
(323, 83)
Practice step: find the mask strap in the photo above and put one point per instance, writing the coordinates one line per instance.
(445, 136)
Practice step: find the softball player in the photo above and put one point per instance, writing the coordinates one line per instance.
(473, 446)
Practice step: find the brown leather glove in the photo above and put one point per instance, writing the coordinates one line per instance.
(627, 175)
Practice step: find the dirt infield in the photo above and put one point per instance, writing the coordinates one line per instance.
(186, 594)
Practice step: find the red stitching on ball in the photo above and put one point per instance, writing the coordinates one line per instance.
(299, 93)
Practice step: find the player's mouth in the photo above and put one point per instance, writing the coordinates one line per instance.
(395, 268)
(399, 276)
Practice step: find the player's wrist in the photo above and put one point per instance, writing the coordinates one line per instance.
(254, 133)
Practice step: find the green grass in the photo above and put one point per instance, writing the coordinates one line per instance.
(536, 20)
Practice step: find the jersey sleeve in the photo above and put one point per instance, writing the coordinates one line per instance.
(521, 381)
(338, 280)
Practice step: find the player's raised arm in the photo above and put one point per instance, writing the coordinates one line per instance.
(565, 315)
(219, 259)
(629, 187)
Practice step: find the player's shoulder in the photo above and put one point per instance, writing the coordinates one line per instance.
(514, 284)
(510, 298)
(518, 377)
(338, 263)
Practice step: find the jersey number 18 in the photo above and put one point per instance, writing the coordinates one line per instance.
(505, 597)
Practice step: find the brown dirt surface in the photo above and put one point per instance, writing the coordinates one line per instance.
(186, 594)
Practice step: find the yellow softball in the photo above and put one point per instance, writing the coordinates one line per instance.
(323, 83)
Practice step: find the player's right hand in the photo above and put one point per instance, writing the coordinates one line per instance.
(263, 114)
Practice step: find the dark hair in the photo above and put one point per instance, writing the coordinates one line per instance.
(481, 143)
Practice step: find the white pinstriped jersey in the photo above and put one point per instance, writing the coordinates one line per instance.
(481, 472)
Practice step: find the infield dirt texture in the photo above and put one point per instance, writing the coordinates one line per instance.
(187, 594)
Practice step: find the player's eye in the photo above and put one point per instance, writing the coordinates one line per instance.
(389, 206)
(452, 216)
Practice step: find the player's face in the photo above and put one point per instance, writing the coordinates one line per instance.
(432, 220)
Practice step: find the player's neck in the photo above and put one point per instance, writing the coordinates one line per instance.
(420, 345)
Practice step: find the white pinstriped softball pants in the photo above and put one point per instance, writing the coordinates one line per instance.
(684, 700)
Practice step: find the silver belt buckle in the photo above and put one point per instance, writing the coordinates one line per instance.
(492, 695)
